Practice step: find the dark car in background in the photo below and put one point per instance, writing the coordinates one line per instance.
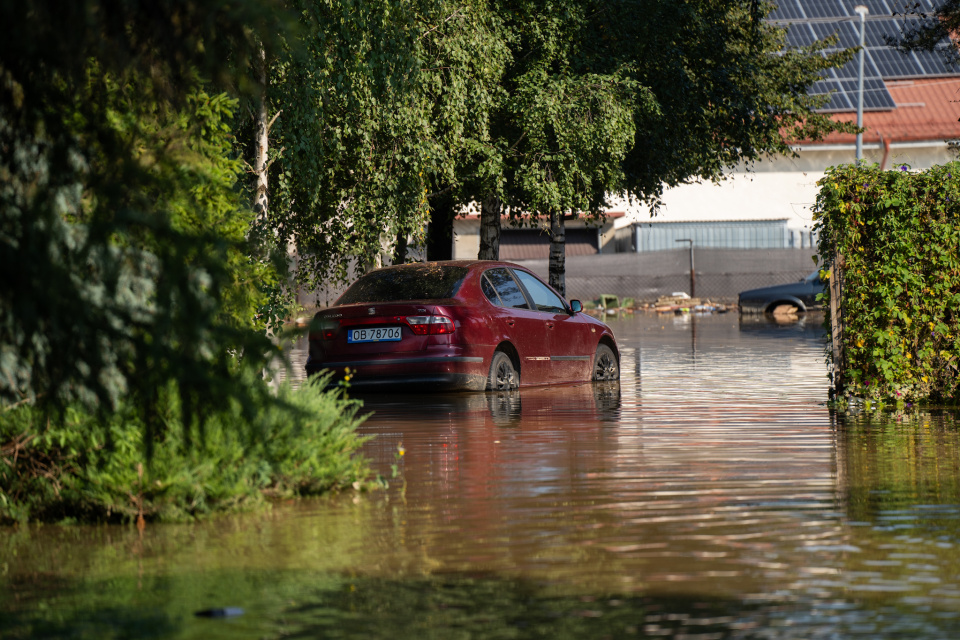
(458, 325)
(801, 295)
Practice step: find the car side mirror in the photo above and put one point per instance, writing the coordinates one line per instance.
(576, 306)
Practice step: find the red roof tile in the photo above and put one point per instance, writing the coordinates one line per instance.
(927, 109)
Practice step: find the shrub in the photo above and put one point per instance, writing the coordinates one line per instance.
(893, 239)
(80, 465)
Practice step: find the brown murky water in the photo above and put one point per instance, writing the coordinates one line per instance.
(710, 494)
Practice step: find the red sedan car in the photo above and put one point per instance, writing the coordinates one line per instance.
(461, 324)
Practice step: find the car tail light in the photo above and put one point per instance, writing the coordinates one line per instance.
(328, 329)
(430, 325)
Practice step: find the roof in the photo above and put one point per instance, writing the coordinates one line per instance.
(927, 110)
(472, 215)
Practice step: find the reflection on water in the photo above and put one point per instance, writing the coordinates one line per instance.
(709, 494)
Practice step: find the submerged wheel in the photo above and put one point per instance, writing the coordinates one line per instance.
(503, 375)
(605, 365)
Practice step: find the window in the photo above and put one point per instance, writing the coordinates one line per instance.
(406, 282)
(489, 291)
(510, 293)
(543, 297)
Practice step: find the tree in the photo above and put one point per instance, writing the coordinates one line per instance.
(632, 96)
(381, 103)
(561, 130)
(728, 89)
(118, 206)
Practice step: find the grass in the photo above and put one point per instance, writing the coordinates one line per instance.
(82, 466)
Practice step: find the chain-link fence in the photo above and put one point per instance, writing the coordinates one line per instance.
(717, 287)
(721, 274)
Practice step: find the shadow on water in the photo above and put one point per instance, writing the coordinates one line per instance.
(709, 494)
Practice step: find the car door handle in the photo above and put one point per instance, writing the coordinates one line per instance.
(511, 322)
(549, 325)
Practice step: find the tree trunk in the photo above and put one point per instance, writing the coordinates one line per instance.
(400, 249)
(490, 210)
(262, 144)
(558, 253)
(440, 229)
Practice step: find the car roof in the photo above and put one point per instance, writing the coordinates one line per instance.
(459, 263)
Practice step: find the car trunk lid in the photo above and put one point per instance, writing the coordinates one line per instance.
(379, 328)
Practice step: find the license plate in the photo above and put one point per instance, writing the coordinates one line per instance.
(380, 334)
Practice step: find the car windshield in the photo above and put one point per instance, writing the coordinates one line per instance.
(406, 282)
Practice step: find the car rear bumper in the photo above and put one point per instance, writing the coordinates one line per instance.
(425, 373)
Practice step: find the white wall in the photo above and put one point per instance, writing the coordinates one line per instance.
(777, 188)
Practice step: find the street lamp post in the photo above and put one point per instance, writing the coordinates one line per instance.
(861, 11)
(693, 273)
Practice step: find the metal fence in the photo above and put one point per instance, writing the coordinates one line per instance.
(717, 287)
(721, 274)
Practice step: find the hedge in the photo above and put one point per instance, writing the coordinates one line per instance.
(893, 240)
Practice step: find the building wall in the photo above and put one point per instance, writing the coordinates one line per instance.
(779, 187)
(466, 236)
(728, 234)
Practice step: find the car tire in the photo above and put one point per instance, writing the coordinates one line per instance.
(605, 365)
(503, 375)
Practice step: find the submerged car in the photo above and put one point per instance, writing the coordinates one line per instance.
(801, 295)
(459, 325)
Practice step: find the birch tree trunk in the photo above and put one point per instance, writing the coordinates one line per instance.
(490, 210)
(558, 253)
(262, 144)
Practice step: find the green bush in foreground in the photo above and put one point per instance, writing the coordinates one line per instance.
(893, 237)
(80, 466)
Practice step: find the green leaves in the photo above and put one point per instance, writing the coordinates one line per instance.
(381, 105)
(897, 233)
(91, 466)
(119, 210)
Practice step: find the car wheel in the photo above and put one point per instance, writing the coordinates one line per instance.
(503, 375)
(605, 365)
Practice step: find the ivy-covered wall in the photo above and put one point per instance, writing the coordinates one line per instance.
(893, 239)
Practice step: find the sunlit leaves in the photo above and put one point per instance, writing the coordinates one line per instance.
(898, 233)
(381, 103)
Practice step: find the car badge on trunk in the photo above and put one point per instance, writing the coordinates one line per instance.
(372, 311)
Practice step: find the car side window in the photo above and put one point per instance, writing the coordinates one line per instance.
(543, 297)
(489, 291)
(507, 288)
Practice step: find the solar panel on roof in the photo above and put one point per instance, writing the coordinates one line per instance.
(838, 98)
(786, 10)
(878, 31)
(800, 35)
(812, 20)
(910, 6)
(824, 30)
(874, 7)
(875, 94)
(814, 9)
(852, 68)
(893, 64)
(934, 64)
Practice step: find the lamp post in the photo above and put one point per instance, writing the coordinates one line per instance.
(861, 11)
(693, 274)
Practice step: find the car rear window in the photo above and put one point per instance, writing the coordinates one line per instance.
(406, 282)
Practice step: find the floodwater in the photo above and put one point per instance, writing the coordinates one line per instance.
(710, 494)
